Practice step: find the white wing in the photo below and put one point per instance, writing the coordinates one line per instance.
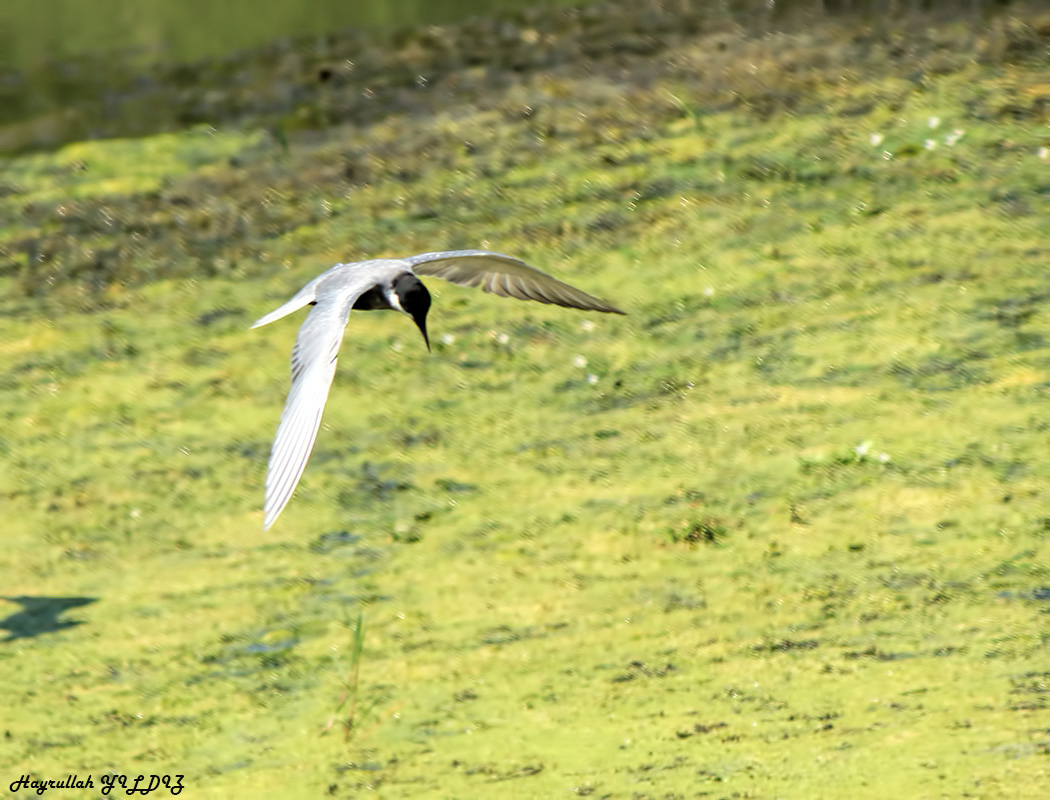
(505, 276)
(313, 368)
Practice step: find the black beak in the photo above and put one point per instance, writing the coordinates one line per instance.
(421, 323)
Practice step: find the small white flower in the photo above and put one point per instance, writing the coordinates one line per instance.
(934, 122)
(580, 362)
(396, 347)
(930, 144)
(587, 325)
(862, 449)
(592, 379)
(135, 513)
(503, 338)
(952, 138)
(876, 139)
(709, 291)
(1044, 153)
(447, 338)
(886, 154)
(884, 458)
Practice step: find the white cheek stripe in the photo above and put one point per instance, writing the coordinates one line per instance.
(395, 301)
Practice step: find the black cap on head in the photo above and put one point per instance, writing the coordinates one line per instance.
(415, 300)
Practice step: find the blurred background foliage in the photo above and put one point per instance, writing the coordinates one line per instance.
(75, 69)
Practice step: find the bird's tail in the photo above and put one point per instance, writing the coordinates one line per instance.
(303, 297)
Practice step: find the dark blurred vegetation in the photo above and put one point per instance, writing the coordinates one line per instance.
(829, 68)
(355, 74)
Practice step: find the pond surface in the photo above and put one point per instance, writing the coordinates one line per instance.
(34, 32)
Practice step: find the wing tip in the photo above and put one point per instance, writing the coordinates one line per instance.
(597, 304)
(269, 518)
(271, 514)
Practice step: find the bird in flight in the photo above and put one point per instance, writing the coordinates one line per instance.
(390, 284)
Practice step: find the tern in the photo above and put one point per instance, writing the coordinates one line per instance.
(390, 284)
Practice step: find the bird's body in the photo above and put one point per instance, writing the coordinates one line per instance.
(380, 284)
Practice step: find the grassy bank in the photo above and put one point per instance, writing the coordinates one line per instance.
(780, 532)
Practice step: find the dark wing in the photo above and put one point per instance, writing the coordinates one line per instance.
(505, 276)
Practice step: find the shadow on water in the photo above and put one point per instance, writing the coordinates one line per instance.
(41, 615)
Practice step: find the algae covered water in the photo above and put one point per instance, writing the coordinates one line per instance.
(779, 532)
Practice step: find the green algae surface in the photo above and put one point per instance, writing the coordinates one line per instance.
(780, 532)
